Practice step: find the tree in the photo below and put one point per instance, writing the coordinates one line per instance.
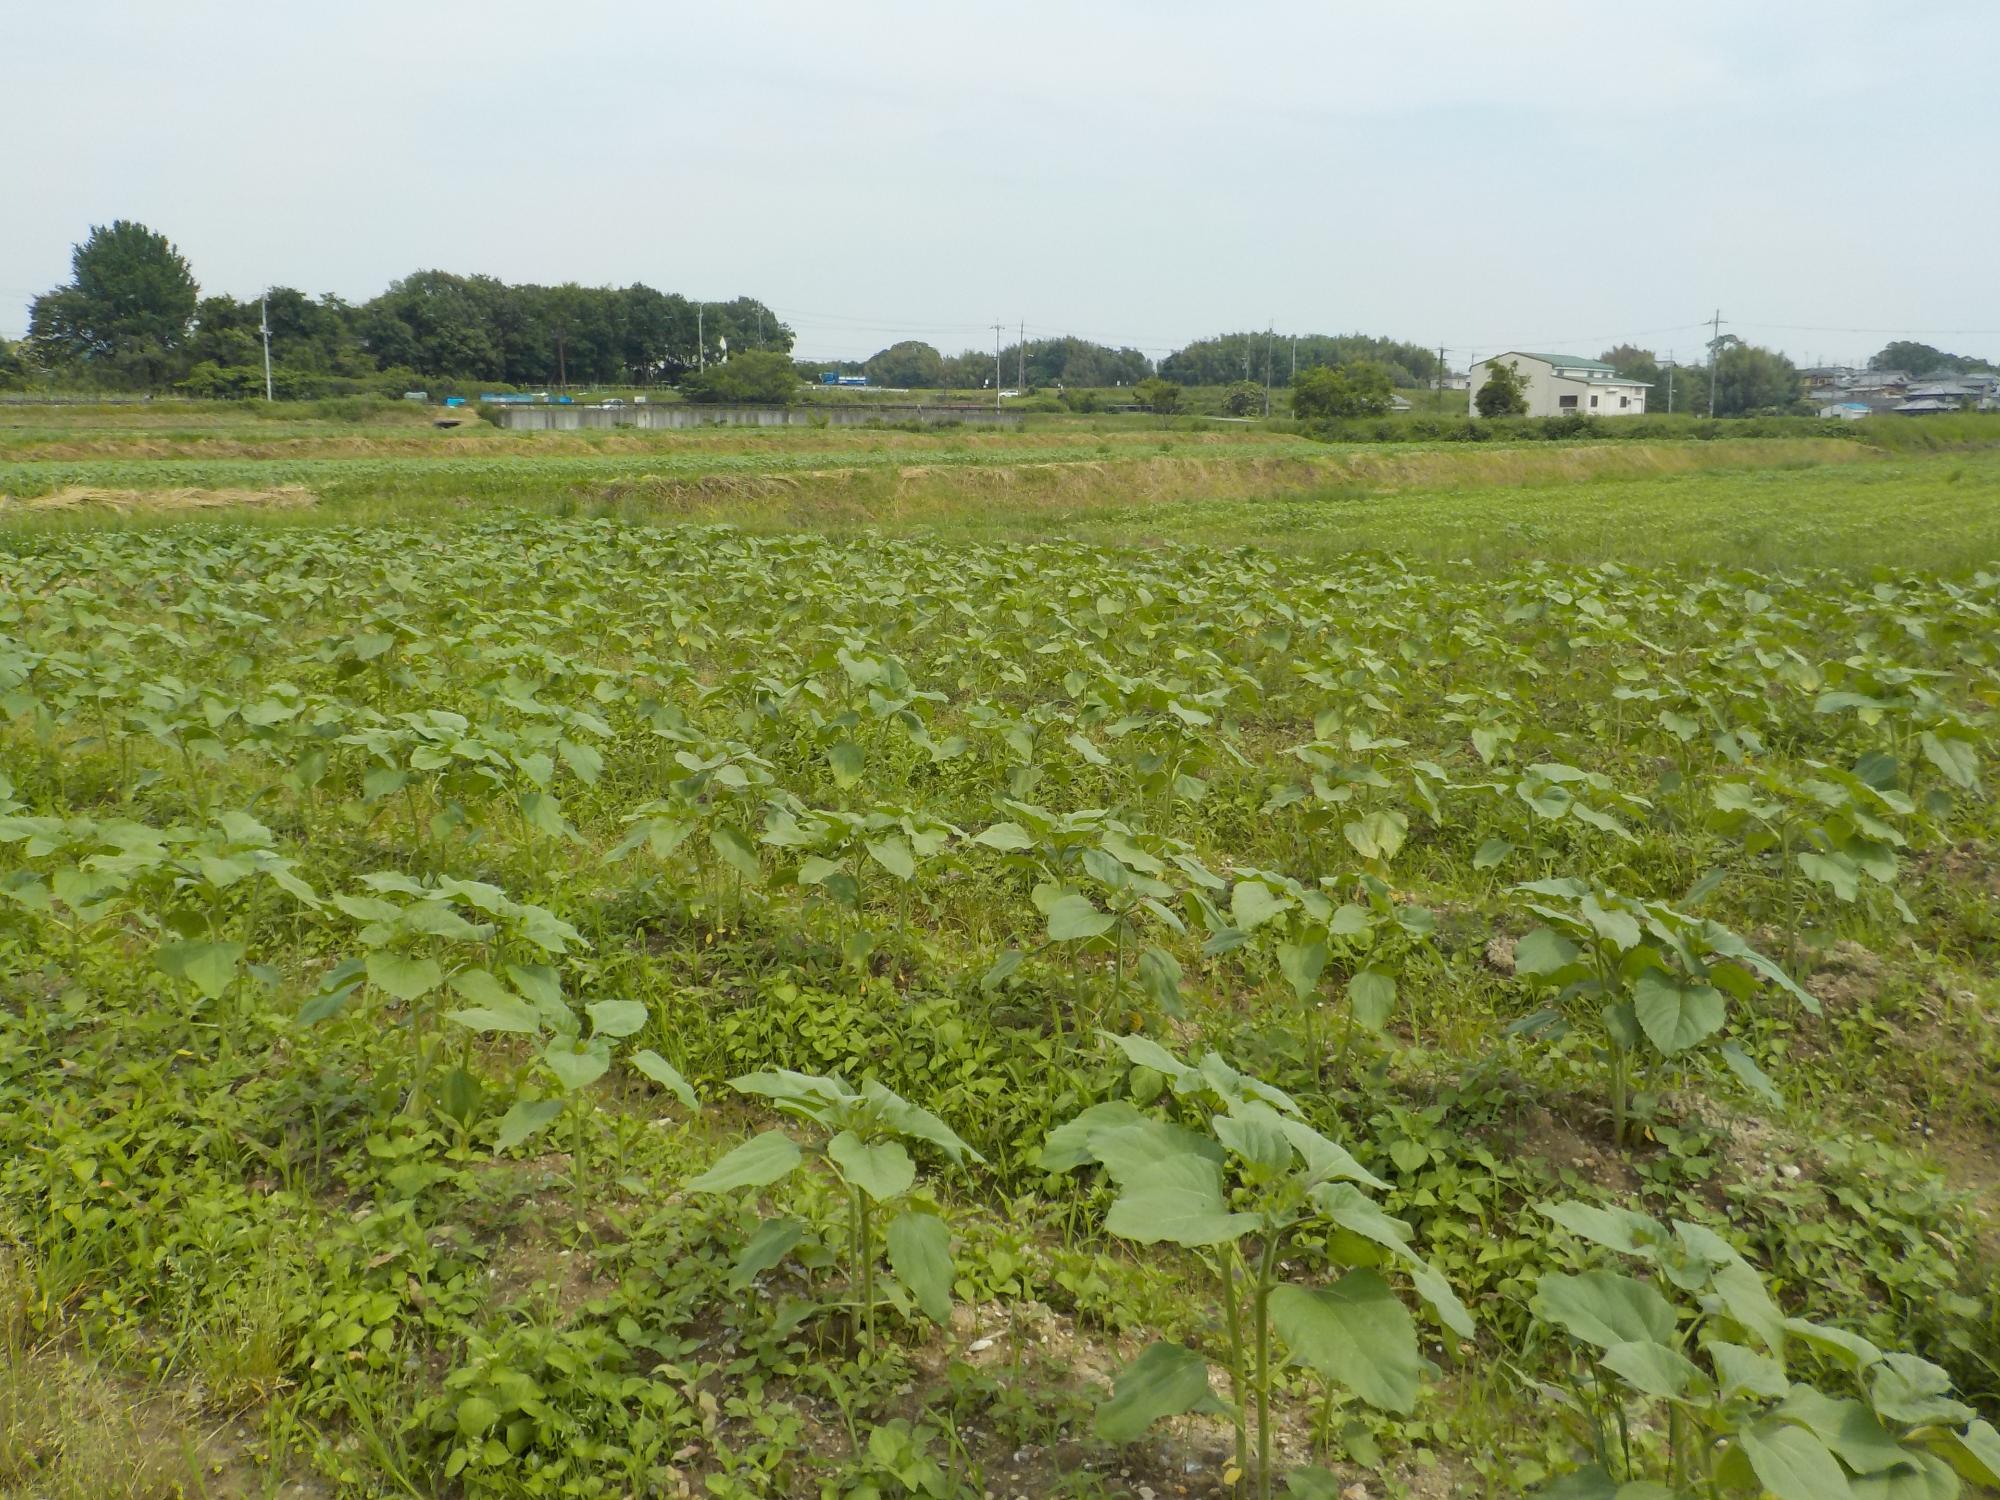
(13, 372)
(1246, 356)
(1750, 379)
(1637, 364)
(760, 376)
(911, 363)
(1244, 398)
(1503, 393)
(1162, 396)
(1923, 359)
(1362, 389)
(123, 318)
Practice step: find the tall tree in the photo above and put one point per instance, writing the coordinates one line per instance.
(910, 364)
(1752, 379)
(1637, 364)
(123, 318)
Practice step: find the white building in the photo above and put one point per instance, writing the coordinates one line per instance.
(1559, 384)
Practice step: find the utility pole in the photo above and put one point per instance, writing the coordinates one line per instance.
(1670, 382)
(1021, 365)
(1295, 359)
(264, 327)
(700, 340)
(1714, 358)
(1270, 338)
(1440, 396)
(996, 367)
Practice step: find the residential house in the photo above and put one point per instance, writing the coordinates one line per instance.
(1561, 384)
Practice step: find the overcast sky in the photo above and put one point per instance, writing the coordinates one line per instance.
(1478, 174)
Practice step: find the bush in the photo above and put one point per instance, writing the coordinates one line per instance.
(1328, 392)
(760, 376)
(1159, 395)
(1502, 393)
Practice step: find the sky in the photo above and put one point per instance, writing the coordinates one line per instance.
(1529, 175)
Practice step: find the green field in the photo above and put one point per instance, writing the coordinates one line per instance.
(1095, 961)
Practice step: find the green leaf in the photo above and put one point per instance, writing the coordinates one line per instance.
(1435, 1290)
(1256, 1134)
(773, 1241)
(1587, 1483)
(1006, 837)
(1791, 1463)
(1654, 1369)
(665, 1074)
(1974, 1452)
(1850, 1349)
(1543, 952)
(408, 979)
(1749, 1074)
(1377, 836)
(1144, 1052)
(523, 1120)
(576, 1064)
(1373, 996)
(1744, 1372)
(1314, 1483)
(209, 967)
(1070, 1144)
(616, 1018)
(1622, 1229)
(919, 1124)
(1605, 1308)
(1854, 1433)
(1956, 758)
(509, 1015)
(1002, 970)
(758, 1162)
(882, 1170)
(475, 1415)
(1924, 1476)
(1326, 1161)
(1073, 918)
(1178, 1200)
(920, 1255)
(845, 761)
(893, 854)
(1164, 1381)
(1907, 1389)
(1254, 903)
(734, 850)
(1675, 1014)
(1356, 1334)
(1302, 964)
(1356, 1212)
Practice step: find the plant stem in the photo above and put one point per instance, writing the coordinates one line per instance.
(1262, 1313)
(868, 1275)
(1236, 1374)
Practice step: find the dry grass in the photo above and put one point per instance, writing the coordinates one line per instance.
(923, 494)
(71, 497)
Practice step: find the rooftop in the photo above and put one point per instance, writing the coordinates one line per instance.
(1572, 362)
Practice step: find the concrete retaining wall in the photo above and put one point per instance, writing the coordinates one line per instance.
(688, 414)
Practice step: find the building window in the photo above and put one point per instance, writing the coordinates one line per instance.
(1593, 400)
(1567, 403)
(1623, 402)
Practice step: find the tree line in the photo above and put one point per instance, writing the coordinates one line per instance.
(132, 316)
